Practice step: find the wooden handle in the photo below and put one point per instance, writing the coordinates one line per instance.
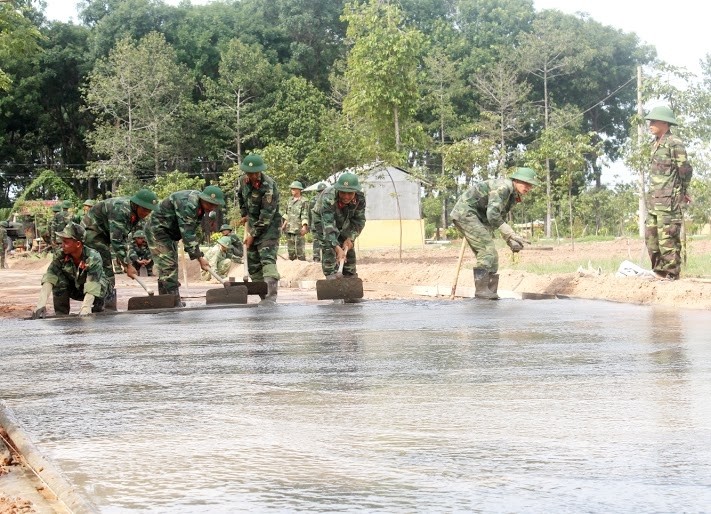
(143, 285)
(217, 277)
(459, 265)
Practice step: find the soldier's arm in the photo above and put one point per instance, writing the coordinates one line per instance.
(329, 230)
(683, 166)
(187, 222)
(94, 272)
(118, 233)
(357, 222)
(269, 208)
(495, 208)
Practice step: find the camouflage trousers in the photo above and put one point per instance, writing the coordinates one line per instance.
(222, 269)
(329, 264)
(296, 246)
(481, 240)
(317, 250)
(663, 239)
(64, 290)
(165, 259)
(101, 245)
(261, 260)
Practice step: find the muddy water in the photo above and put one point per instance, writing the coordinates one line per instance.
(532, 406)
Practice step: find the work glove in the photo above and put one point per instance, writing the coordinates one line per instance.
(86, 305)
(514, 240)
(41, 311)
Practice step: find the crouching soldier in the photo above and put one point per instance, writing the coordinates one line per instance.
(75, 273)
(337, 220)
(236, 249)
(140, 255)
(219, 258)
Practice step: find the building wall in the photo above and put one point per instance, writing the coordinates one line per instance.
(386, 234)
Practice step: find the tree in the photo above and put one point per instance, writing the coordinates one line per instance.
(18, 37)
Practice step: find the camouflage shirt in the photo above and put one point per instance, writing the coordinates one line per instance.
(297, 214)
(215, 256)
(112, 221)
(333, 222)
(179, 215)
(139, 252)
(489, 200)
(88, 276)
(261, 206)
(669, 174)
(59, 221)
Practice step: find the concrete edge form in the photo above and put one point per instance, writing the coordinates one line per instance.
(66, 493)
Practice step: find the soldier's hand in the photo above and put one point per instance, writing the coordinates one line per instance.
(303, 230)
(85, 310)
(204, 265)
(248, 241)
(514, 245)
(347, 245)
(243, 220)
(39, 313)
(131, 271)
(340, 254)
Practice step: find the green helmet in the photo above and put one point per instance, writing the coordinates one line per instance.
(56, 207)
(146, 199)
(321, 186)
(89, 203)
(225, 241)
(526, 175)
(225, 227)
(213, 194)
(253, 163)
(4, 224)
(139, 233)
(67, 204)
(348, 183)
(72, 231)
(662, 113)
(296, 185)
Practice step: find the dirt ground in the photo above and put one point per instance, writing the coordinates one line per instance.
(420, 273)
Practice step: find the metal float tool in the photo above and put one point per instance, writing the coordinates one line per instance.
(152, 301)
(339, 288)
(230, 293)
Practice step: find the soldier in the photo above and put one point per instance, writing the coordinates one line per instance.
(316, 243)
(296, 222)
(177, 217)
(60, 220)
(669, 177)
(219, 258)
(236, 249)
(479, 211)
(86, 206)
(77, 273)
(140, 255)
(258, 198)
(108, 225)
(337, 220)
(3, 242)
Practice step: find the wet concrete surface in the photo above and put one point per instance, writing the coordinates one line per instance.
(535, 406)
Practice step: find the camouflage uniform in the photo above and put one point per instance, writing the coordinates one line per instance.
(177, 217)
(669, 177)
(236, 248)
(261, 207)
(297, 215)
(479, 211)
(74, 281)
(219, 258)
(140, 252)
(3, 244)
(108, 225)
(333, 223)
(316, 243)
(59, 221)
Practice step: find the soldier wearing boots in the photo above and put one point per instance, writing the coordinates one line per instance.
(480, 210)
(669, 177)
(177, 217)
(77, 273)
(108, 225)
(316, 243)
(296, 222)
(258, 199)
(337, 220)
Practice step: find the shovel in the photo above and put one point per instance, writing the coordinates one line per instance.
(258, 288)
(340, 288)
(161, 301)
(230, 293)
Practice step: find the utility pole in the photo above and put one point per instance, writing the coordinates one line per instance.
(640, 141)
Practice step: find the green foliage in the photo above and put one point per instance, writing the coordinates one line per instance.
(432, 210)
(47, 186)
(176, 181)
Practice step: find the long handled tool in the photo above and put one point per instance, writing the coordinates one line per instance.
(228, 294)
(339, 288)
(459, 266)
(152, 301)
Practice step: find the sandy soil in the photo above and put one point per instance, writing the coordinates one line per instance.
(429, 271)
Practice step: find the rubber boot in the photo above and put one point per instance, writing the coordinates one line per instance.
(272, 288)
(61, 303)
(110, 300)
(494, 285)
(481, 284)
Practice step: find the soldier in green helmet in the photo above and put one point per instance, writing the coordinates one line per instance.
(177, 217)
(236, 250)
(139, 255)
(258, 198)
(669, 178)
(78, 217)
(480, 210)
(219, 258)
(296, 222)
(338, 218)
(316, 242)
(108, 225)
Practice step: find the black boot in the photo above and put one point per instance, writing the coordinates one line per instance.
(494, 285)
(61, 303)
(272, 288)
(481, 284)
(110, 300)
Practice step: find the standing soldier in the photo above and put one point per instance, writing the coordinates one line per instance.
(296, 222)
(76, 273)
(316, 244)
(108, 225)
(480, 210)
(258, 198)
(140, 255)
(3, 242)
(669, 177)
(338, 218)
(177, 217)
(219, 258)
(236, 249)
